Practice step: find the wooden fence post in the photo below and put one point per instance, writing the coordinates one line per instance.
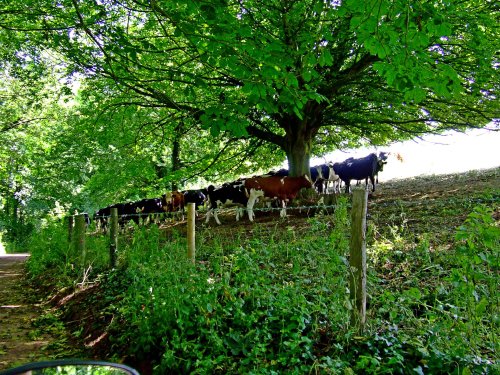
(357, 258)
(113, 237)
(71, 224)
(79, 237)
(191, 240)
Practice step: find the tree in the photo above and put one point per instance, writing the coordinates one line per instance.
(137, 151)
(32, 116)
(304, 76)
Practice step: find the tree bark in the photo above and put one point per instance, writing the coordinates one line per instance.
(298, 154)
(298, 139)
(298, 145)
(176, 161)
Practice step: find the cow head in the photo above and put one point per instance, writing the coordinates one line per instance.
(381, 160)
(382, 155)
(307, 183)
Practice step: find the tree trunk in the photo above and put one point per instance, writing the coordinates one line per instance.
(298, 139)
(298, 152)
(176, 161)
(15, 212)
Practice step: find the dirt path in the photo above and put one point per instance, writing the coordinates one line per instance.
(20, 341)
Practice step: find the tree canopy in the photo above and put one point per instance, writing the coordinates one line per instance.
(175, 90)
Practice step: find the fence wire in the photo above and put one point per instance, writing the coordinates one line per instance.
(495, 198)
(175, 214)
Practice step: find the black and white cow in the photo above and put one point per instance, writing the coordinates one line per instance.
(102, 215)
(229, 194)
(194, 196)
(148, 209)
(359, 169)
(280, 173)
(382, 160)
(129, 211)
(322, 175)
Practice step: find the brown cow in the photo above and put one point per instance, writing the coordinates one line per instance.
(274, 187)
(173, 202)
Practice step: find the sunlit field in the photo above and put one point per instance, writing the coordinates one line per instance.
(451, 152)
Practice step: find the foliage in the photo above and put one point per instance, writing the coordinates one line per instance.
(475, 280)
(32, 117)
(438, 306)
(236, 86)
(254, 302)
(51, 252)
(107, 102)
(274, 299)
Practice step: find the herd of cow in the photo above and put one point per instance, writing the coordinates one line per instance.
(276, 187)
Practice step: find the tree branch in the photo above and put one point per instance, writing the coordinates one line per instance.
(267, 136)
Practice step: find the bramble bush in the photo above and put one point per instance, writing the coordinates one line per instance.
(52, 254)
(260, 306)
(275, 299)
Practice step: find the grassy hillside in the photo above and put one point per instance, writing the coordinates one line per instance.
(272, 296)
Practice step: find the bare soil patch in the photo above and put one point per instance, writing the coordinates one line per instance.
(30, 330)
(19, 342)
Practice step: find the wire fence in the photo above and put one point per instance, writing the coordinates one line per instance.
(194, 231)
(261, 209)
(301, 210)
(190, 232)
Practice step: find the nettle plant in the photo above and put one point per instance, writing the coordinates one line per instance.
(475, 280)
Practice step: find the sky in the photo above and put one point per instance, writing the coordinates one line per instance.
(451, 152)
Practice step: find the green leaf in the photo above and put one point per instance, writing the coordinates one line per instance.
(356, 21)
(375, 47)
(416, 95)
(414, 294)
(306, 75)
(325, 59)
(292, 81)
(214, 129)
(298, 112)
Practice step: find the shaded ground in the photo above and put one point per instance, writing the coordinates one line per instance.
(19, 343)
(29, 332)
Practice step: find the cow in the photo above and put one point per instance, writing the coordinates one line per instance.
(321, 175)
(151, 208)
(101, 217)
(315, 173)
(173, 202)
(198, 197)
(333, 178)
(274, 187)
(280, 173)
(126, 212)
(359, 169)
(229, 194)
(382, 160)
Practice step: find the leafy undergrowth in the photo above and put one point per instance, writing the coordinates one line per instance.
(272, 297)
